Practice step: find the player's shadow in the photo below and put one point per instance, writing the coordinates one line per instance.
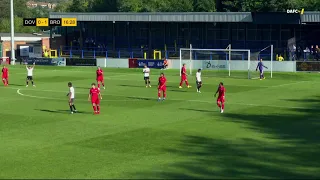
(177, 90)
(140, 98)
(88, 88)
(197, 110)
(18, 85)
(138, 86)
(126, 85)
(61, 111)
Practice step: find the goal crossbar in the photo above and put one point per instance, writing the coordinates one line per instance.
(227, 50)
(188, 49)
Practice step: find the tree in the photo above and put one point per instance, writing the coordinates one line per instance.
(205, 6)
(105, 6)
(18, 26)
(63, 6)
(81, 6)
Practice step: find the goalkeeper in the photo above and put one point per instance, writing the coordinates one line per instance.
(260, 66)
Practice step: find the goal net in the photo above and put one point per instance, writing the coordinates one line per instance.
(217, 62)
(266, 54)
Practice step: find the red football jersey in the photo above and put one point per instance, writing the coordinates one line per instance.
(94, 92)
(222, 91)
(183, 70)
(5, 71)
(99, 72)
(162, 81)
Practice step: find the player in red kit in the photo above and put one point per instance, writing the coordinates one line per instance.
(184, 76)
(221, 97)
(100, 77)
(95, 99)
(5, 76)
(162, 87)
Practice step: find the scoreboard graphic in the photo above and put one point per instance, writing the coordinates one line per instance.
(43, 22)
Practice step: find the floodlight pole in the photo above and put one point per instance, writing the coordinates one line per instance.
(13, 58)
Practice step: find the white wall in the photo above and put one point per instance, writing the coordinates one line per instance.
(284, 66)
(113, 63)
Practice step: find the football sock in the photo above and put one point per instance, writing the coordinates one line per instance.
(187, 83)
(145, 81)
(32, 82)
(71, 108)
(222, 106)
(219, 105)
(159, 95)
(181, 83)
(94, 108)
(4, 82)
(27, 82)
(149, 82)
(98, 108)
(164, 94)
(98, 85)
(74, 108)
(7, 81)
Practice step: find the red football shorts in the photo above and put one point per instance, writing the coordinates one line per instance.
(184, 78)
(221, 99)
(95, 101)
(4, 76)
(163, 88)
(100, 78)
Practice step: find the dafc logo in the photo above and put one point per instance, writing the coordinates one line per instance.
(211, 66)
(295, 11)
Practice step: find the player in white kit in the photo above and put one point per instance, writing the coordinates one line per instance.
(146, 72)
(71, 96)
(30, 74)
(199, 82)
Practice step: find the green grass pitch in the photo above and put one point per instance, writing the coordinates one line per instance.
(270, 128)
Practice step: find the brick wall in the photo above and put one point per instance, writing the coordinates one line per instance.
(46, 42)
(6, 47)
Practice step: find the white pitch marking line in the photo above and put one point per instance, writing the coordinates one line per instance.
(200, 101)
(40, 97)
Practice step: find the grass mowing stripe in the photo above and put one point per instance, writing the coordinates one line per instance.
(137, 98)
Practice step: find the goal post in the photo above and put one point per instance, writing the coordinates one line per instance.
(266, 54)
(217, 62)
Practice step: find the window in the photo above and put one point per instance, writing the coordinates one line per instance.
(275, 35)
(285, 35)
(224, 34)
(241, 34)
(234, 34)
(266, 35)
(251, 34)
(31, 49)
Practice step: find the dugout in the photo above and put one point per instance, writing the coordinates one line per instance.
(136, 32)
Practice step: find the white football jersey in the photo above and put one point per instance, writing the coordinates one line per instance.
(146, 72)
(30, 71)
(198, 76)
(71, 90)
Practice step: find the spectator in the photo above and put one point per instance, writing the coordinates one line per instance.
(293, 52)
(313, 52)
(317, 52)
(165, 64)
(280, 58)
(306, 53)
(299, 53)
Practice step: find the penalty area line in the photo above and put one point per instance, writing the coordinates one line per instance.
(41, 97)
